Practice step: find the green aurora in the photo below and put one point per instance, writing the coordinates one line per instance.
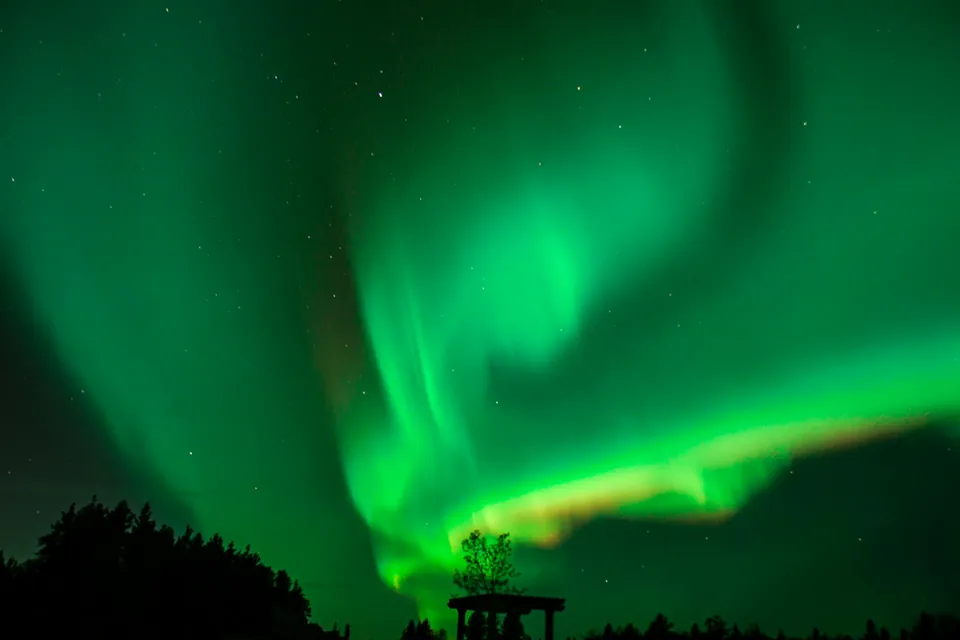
(565, 323)
(633, 284)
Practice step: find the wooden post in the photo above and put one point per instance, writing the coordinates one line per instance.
(548, 631)
(461, 624)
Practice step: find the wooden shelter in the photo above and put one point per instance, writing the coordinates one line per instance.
(508, 604)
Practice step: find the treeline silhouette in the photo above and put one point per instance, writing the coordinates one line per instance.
(112, 573)
(927, 627)
(481, 627)
(422, 631)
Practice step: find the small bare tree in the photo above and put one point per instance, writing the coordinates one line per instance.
(489, 568)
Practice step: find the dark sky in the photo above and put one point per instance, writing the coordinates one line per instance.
(667, 289)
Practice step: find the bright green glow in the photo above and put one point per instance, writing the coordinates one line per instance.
(531, 281)
(539, 368)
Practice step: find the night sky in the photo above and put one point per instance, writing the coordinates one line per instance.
(668, 289)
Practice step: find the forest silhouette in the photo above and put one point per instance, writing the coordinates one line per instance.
(112, 573)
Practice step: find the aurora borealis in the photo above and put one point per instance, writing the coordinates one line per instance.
(571, 275)
(517, 268)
